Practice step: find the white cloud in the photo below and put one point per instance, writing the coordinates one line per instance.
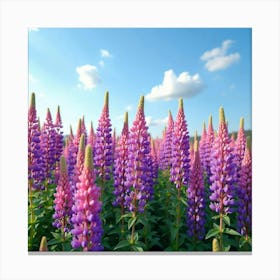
(33, 29)
(88, 76)
(150, 122)
(173, 87)
(101, 63)
(218, 59)
(32, 79)
(105, 53)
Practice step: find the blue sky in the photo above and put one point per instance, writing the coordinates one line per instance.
(209, 68)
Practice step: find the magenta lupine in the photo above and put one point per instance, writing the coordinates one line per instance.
(139, 163)
(83, 128)
(63, 201)
(168, 143)
(103, 155)
(203, 148)
(191, 151)
(35, 161)
(87, 231)
(80, 160)
(179, 173)
(154, 156)
(240, 144)
(196, 198)
(232, 141)
(223, 170)
(120, 165)
(48, 138)
(91, 137)
(162, 150)
(114, 142)
(244, 210)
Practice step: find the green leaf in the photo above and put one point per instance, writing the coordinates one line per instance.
(131, 222)
(183, 201)
(137, 248)
(226, 219)
(227, 248)
(216, 217)
(212, 232)
(124, 216)
(56, 235)
(53, 242)
(122, 244)
(231, 232)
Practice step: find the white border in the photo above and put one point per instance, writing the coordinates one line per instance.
(262, 16)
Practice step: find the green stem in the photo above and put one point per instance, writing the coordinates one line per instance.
(178, 219)
(31, 214)
(221, 232)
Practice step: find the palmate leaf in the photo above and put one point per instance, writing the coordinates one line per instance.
(231, 232)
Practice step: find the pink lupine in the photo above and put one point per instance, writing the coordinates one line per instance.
(80, 159)
(83, 128)
(87, 231)
(63, 201)
(240, 144)
(203, 148)
(103, 155)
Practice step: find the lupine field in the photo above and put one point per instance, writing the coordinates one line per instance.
(98, 190)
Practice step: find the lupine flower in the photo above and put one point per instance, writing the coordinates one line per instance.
(244, 210)
(35, 161)
(139, 180)
(191, 151)
(80, 159)
(208, 148)
(83, 128)
(179, 173)
(154, 159)
(196, 198)
(240, 144)
(203, 148)
(114, 142)
(162, 150)
(223, 170)
(48, 138)
(63, 201)
(87, 231)
(120, 165)
(103, 156)
(91, 137)
(166, 164)
(232, 141)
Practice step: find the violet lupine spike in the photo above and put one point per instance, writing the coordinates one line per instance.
(232, 141)
(71, 135)
(223, 170)
(48, 138)
(103, 156)
(244, 209)
(179, 173)
(191, 152)
(154, 156)
(114, 141)
(87, 231)
(35, 160)
(63, 201)
(139, 178)
(120, 165)
(168, 142)
(196, 198)
(203, 148)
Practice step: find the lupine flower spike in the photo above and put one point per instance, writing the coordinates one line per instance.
(87, 231)
(139, 177)
(196, 198)
(223, 170)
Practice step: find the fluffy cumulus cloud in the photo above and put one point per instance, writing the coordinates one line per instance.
(156, 122)
(218, 59)
(88, 76)
(105, 53)
(173, 87)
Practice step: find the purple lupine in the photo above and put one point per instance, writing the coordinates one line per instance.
(87, 231)
(103, 155)
(114, 142)
(232, 141)
(223, 170)
(244, 210)
(168, 142)
(191, 152)
(179, 173)
(35, 171)
(138, 168)
(196, 198)
(210, 136)
(120, 165)
(203, 148)
(162, 150)
(63, 201)
(48, 138)
(154, 156)
(240, 145)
